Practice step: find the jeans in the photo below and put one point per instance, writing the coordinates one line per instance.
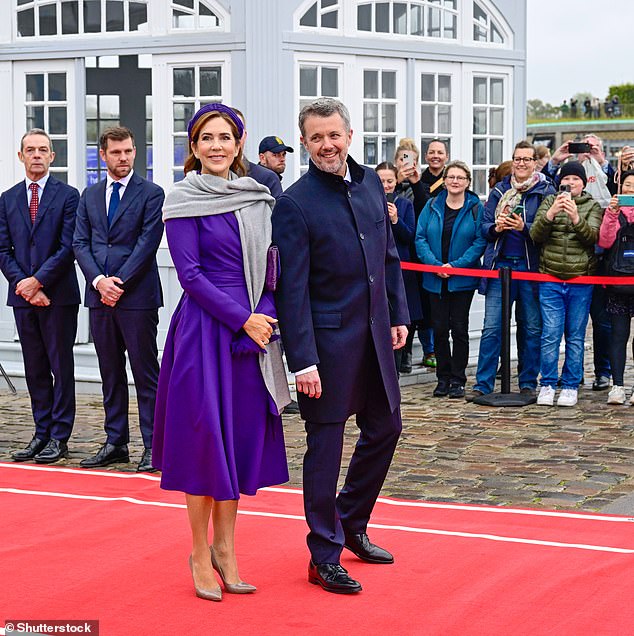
(601, 332)
(450, 314)
(565, 311)
(525, 294)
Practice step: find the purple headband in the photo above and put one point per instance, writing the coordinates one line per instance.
(219, 108)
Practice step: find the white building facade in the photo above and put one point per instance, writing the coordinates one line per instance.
(449, 69)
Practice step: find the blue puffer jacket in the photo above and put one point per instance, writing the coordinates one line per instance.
(465, 248)
(531, 201)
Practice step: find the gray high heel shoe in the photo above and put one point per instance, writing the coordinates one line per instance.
(208, 595)
(233, 588)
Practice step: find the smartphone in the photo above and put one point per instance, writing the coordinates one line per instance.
(390, 197)
(408, 159)
(576, 147)
(625, 199)
(565, 189)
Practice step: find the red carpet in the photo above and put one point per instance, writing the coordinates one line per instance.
(113, 547)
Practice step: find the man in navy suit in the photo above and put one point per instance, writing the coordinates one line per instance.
(342, 311)
(118, 232)
(37, 219)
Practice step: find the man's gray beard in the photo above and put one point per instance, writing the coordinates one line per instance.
(331, 168)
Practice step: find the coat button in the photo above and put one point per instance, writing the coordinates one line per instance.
(371, 321)
(362, 236)
(371, 278)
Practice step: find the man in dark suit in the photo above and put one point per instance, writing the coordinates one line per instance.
(37, 219)
(342, 311)
(118, 232)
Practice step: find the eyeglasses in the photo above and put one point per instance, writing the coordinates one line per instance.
(454, 177)
(523, 159)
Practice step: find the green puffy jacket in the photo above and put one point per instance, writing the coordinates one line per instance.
(567, 250)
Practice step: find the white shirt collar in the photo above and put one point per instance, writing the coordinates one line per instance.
(40, 182)
(348, 176)
(124, 182)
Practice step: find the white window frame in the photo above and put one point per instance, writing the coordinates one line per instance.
(223, 16)
(455, 71)
(303, 8)
(494, 16)
(381, 64)
(162, 88)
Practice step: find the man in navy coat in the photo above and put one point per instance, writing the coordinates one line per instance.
(118, 232)
(342, 311)
(37, 219)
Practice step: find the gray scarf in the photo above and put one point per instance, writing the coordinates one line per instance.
(206, 195)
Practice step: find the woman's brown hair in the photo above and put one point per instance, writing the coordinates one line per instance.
(192, 163)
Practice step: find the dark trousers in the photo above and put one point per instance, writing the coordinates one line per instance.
(47, 336)
(450, 315)
(326, 514)
(601, 332)
(618, 345)
(114, 332)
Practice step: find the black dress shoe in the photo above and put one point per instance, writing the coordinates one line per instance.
(602, 383)
(52, 452)
(292, 408)
(108, 454)
(333, 578)
(145, 465)
(33, 448)
(406, 363)
(441, 390)
(361, 546)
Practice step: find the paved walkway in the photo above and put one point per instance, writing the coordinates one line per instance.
(574, 458)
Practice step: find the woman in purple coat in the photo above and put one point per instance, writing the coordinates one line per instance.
(222, 385)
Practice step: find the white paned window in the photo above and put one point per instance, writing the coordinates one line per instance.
(436, 113)
(323, 14)
(194, 14)
(316, 80)
(193, 86)
(488, 128)
(379, 116)
(423, 18)
(71, 17)
(46, 102)
(485, 28)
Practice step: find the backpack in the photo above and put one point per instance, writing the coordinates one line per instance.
(621, 256)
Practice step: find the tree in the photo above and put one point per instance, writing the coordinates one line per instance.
(624, 91)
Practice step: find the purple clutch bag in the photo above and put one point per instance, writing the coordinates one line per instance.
(272, 268)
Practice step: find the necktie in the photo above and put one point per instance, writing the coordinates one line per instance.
(34, 201)
(114, 201)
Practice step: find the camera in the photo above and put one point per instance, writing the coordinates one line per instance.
(576, 147)
(625, 199)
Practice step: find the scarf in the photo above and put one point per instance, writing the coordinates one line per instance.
(206, 195)
(513, 196)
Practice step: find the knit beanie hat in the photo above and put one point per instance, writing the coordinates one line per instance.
(575, 168)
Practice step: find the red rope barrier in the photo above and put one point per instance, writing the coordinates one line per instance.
(543, 278)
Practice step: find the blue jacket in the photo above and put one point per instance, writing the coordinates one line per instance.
(266, 177)
(42, 249)
(340, 289)
(127, 248)
(531, 202)
(465, 248)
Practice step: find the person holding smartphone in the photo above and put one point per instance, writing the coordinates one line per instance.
(402, 221)
(619, 306)
(566, 227)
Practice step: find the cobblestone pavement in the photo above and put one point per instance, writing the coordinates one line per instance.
(547, 457)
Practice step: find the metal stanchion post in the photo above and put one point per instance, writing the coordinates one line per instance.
(505, 397)
(8, 380)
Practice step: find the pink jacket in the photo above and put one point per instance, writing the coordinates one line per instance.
(610, 226)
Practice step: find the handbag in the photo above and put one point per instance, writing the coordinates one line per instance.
(621, 256)
(272, 268)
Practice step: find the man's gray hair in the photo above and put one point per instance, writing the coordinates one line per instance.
(324, 107)
(36, 131)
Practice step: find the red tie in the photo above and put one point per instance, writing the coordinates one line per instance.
(34, 201)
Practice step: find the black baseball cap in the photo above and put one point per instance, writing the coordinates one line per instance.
(274, 144)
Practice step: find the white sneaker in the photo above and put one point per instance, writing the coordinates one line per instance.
(567, 397)
(616, 395)
(546, 396)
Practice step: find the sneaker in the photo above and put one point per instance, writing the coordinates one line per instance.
(616, 395)
(430, 360)
(442, 389)
(602, 383)
(456, 391)
(567, 397)
(546, 396)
